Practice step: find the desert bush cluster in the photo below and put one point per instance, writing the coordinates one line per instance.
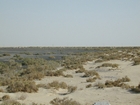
(116, 83)
(22, 86)
(76, 61)
(25, 70)
(18, 74)
(57, 85)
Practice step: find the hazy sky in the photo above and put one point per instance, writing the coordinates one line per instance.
(69, 22)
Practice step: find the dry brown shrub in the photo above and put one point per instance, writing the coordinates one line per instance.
(10, 102)
(22, 86)
(72, 89)
(80, 71)
(55, 73)
(90, 73)
(64, 101)
(136, 89)
(108, 65)
(136, 61)
(89, 85)
(91, 79)
(57, 85)
(5, 97)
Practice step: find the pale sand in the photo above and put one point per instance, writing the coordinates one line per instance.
(115, 95)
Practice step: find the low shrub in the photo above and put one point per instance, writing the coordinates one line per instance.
(124, 79)
(55, 73)
(6, 54)
(116, 83)
(89, 85)
(22, 86)
(136, 89)
(136, 61)
(68, 76)
(90, 73)
(80, 71)
(99, 61)
(10, 102)
(91, 79)
(71, 89)
(1, 90)
(5, 97)
(108, 65)
(64, 101)
(57, 85)
(42, 86)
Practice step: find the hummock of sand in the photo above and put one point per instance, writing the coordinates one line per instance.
(88, 96)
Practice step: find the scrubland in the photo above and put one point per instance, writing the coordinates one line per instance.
(81, 76)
